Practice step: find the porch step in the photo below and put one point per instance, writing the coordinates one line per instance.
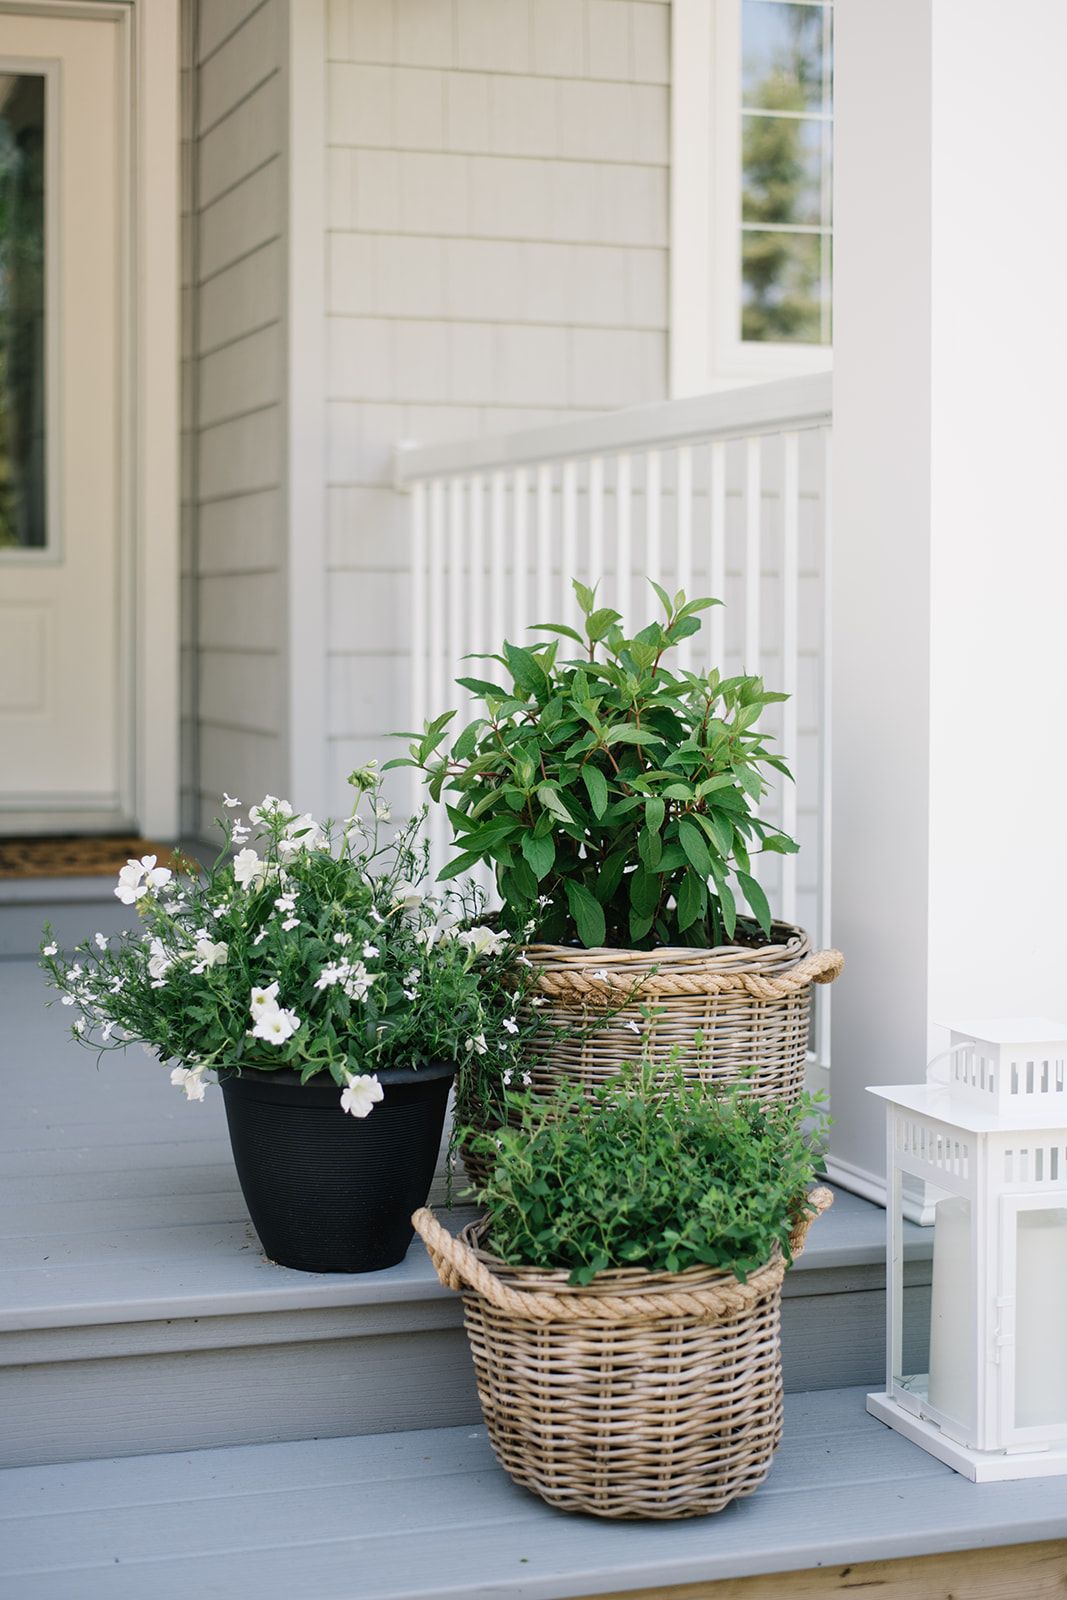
(138, 1314)
(76, 908)
(427, 1515)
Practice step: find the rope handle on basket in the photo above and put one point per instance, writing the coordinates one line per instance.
(458, 1267)
(822, 966)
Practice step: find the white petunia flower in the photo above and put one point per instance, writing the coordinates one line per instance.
(100, 940)
(248, 870)
(212, 954)
(230, 801)
(276, 1026)
(360, 1095)
(478, 1045)
(407, 897)
(510, 1025)
(483, 941)
(50, 950)
(190, 1079)
(264, 1000)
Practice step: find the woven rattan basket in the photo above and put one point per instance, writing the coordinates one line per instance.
(735, 1014)
(644, 1395)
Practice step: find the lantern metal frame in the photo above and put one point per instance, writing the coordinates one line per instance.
(990, 1129)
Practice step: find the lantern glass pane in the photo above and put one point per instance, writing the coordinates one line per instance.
(938, 1341)
(1041, 1317)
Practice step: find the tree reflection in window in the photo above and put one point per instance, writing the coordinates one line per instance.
(786, 151)
(22, 311)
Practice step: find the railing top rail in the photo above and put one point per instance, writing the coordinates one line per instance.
(802, 402)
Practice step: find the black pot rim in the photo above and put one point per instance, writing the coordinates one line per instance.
(286, 1078)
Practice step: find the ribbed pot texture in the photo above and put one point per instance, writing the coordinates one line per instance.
(328, 1192)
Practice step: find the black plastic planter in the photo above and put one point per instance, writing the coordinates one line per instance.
(328, 1192)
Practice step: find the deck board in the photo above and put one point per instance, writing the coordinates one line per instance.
(427, 1515)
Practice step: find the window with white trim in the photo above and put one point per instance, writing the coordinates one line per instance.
(751, 199)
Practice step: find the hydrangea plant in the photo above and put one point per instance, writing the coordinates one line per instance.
(615, 798)
(308, 947)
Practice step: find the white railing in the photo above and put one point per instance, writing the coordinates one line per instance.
(726, 494)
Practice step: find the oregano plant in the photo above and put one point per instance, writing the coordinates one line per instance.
(613, 794)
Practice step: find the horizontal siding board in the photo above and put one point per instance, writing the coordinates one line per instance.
(242, 63)
(246, 216)
(242, 454)
(243, 376)
(242, 533)
(243, 140)
(246, 295)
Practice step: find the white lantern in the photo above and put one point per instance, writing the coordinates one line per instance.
(984, 1142)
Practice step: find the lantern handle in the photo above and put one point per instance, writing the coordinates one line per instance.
(935, 1073)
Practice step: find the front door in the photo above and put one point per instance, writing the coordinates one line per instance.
(65, 689)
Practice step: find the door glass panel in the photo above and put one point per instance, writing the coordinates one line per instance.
(22, 311)
(1040, 1318)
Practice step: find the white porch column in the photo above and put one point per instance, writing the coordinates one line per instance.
(949, 648)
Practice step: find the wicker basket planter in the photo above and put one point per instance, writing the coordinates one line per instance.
(736, 1014)
(644, 1395)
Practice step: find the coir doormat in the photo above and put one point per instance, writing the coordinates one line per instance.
(76, 858)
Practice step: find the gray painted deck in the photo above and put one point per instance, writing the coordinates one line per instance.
(427, 1515)
(138, 1313)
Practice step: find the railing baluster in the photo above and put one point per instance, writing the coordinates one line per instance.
(568, 561)
(497, 558)
(717, 552)
(437, 672)
(789, 678)
(753, 554)
(418, 628)
(596, 521)
(654, 517)
(624, 553)
(520, 556)
(457, 640)
(476, 639)
(544, 546)
(683, 566)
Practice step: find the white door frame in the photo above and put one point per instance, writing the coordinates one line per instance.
(149, 430)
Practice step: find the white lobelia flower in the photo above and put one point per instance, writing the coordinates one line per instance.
(230, 801)
(270, 806)
(357, 981)
(264, 1000)
(248, 870)
(483, 941)
(191, 1079)
(524, 961)
(370, 951)
(276, 1026)
(50, 950)
(360, 1095)
(79, 1025)
(383, 813)
(101, 941)
(506, 1078)
(290, 923)
(478, 1045)
(526, 1080)
(510, 1025)
(343, 939)
(303, 833)
(287, 901)
(634, 1027)
(108, 1029)
(240, 833)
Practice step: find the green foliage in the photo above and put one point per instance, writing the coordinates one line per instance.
(651, 1171)
(371, 970)
(614, 798)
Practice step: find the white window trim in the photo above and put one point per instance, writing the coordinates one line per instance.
(706, 349)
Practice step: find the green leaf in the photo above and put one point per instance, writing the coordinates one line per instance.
(692, 842)
(753, 893)
(588, 915)
(560, 628)
(692, 898)
(540, 853)
(586, 597)
(551, 800)
(463, 863)
(649, 847)
(482, 687)
(467, 741)
(526, 670)
(644, 892)
(597, 788)
(729, 909)
(664, 597)
(628, 734)
(639, 925)
(780, 844)
(599, 622)
(654, 812)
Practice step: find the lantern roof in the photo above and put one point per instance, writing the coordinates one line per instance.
(1011, 1030)
(935, 1100)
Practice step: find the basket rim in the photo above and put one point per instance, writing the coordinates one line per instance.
(565, 957)
(612, 1281)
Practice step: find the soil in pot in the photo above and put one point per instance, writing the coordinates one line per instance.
(328, 1192)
